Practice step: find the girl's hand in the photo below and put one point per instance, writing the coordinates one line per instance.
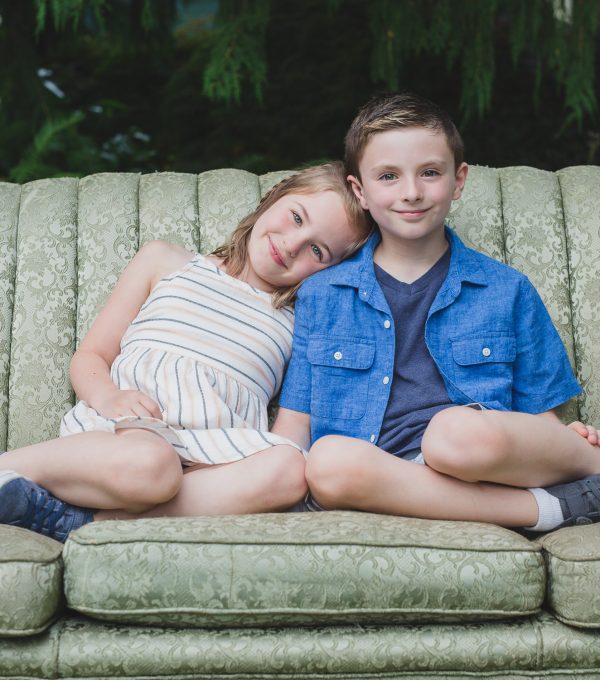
(128, 403)
(588, 432)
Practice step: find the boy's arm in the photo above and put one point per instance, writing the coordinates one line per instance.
(293, 425)
(588, 432)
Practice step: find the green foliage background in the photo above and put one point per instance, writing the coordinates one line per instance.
(188, 85)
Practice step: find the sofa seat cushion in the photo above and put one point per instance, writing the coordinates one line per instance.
(300, 569)
(573, 565)
(31, 570)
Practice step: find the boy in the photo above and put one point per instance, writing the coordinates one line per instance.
(421, 348)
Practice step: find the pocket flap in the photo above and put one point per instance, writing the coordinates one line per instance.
(341, 353)
(484, 350)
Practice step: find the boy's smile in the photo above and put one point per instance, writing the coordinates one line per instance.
(408, 182)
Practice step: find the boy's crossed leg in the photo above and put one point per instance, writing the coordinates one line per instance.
(515, 450)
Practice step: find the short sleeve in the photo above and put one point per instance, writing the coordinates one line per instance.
(296, 391)
(543, 378)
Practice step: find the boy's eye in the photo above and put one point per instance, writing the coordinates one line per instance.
(388, 176)
(296, 217)
(317, 251)
(430, 173)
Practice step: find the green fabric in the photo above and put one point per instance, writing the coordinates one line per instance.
(298, 569)
(531, 647)
(579, 190)
(64, 243)
(573, 563)
(31, 572)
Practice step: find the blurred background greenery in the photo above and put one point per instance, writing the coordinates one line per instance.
(188, 85)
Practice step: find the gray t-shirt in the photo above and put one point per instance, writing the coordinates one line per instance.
(418, 391)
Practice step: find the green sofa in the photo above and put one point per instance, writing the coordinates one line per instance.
(291, 595)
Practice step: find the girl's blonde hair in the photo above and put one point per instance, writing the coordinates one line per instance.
(326, 177)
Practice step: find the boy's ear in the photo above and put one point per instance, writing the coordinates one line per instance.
(459, 180)
(358, 191)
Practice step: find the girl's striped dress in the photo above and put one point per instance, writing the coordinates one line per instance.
(211, 351)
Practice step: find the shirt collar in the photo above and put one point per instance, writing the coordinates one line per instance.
(358, 271)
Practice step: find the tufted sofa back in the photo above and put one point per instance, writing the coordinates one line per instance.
(64, 242)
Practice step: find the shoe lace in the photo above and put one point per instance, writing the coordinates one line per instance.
(44, 512)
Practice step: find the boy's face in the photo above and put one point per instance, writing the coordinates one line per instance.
(408, 182)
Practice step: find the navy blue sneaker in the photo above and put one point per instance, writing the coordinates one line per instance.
(26, 504)
(579, 500)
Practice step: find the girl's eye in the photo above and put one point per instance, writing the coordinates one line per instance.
(388, 176)
(317, 251)
(296, 217)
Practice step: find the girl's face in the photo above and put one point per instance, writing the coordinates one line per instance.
(296, 237)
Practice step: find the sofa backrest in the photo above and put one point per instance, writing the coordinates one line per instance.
(64, 242)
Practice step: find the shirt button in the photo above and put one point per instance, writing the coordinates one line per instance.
(386, 323)
(372, 439)
(337, 356)
(386, 380)
(486, 351)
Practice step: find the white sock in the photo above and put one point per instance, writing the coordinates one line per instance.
(550, 514)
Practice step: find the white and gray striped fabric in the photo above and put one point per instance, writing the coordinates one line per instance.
(211, 351)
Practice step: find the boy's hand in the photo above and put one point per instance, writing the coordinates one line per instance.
(588, 432)
(127, 403)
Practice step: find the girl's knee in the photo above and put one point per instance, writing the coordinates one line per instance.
(150, 470)
(287, 476)
(333, 470)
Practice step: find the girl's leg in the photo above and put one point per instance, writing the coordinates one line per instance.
(132, 470)
(268, 481)
(517, 449)
(346, 473)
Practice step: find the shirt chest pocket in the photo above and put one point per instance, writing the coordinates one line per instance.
(483, 367)
(340, 370)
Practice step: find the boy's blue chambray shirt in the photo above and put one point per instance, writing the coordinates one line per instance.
(487, 330)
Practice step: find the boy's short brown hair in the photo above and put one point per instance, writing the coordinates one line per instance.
(398, 110)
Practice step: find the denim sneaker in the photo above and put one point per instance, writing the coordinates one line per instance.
(579, 500)
(26, 504)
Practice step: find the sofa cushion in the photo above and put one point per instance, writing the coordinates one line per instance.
(30, 581)
(573, 562)
(300, 569)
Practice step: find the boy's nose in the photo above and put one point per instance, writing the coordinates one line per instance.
(411, 191)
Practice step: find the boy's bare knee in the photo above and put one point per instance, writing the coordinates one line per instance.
(464, 443)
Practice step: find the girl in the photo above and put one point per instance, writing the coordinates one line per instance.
(178, 370)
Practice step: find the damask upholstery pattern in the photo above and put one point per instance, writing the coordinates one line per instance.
(31, 581)
(68, 240)
(63, 243)
(573, 563)
(536, 647)
(269, 570)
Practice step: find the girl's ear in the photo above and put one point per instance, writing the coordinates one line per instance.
(358, 191)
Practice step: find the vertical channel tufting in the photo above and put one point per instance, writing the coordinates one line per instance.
(477, 216)
(580, 190)
(107, 239)
(10, 197)
(168, 208)
(536, 245)
(224, 198)
(43, 327)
